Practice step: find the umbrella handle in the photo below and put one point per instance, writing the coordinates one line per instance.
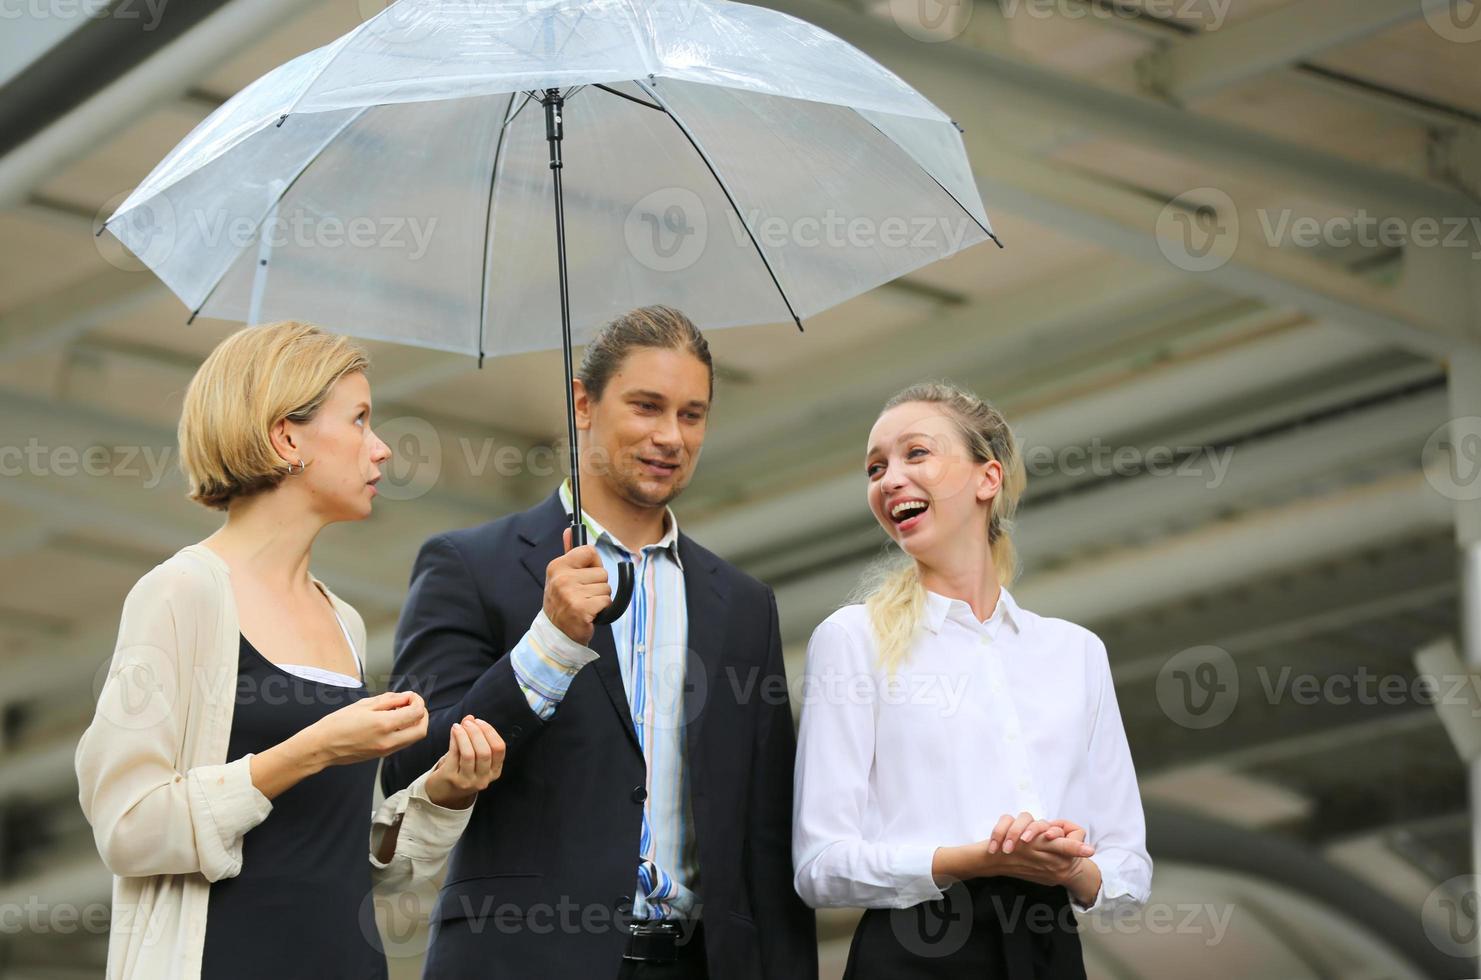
(625, 578)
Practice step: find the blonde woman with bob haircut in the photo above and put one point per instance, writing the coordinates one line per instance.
(962, 772)
(229, 769)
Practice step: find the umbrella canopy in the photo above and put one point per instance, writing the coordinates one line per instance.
(729, 160)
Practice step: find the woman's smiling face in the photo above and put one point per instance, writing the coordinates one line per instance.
(925, 489)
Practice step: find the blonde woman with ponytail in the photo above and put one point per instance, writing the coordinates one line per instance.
(962, 772)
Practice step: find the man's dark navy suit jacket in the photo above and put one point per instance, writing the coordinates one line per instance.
(542, 880)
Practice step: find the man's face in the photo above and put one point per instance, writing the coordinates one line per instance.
(646, 431)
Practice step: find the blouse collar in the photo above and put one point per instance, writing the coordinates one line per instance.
(939, 608)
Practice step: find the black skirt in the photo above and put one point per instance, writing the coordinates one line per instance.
(984, 929)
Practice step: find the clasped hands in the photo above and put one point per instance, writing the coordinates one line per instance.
(1046, 852)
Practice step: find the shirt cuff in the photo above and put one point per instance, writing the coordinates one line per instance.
(234, 801)
(545, 660)
(428, 831)
(1112, 890)
(561, 648)
(226, 804)
(913, 863)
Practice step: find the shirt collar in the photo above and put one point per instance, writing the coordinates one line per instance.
(595, 532)
(939, 608)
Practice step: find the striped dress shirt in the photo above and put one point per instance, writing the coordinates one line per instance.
(652, 641)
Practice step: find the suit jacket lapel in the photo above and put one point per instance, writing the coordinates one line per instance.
(705, 602)
(546, 525)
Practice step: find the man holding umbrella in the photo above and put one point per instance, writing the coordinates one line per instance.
(642, 827)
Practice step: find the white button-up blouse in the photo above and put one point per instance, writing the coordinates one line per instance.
(983, 718)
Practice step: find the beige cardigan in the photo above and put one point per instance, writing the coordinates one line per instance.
(168, 812)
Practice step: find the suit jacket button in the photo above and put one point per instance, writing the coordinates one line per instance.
(639, 795)
(516, 732)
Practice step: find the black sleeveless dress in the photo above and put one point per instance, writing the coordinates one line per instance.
(301, 909)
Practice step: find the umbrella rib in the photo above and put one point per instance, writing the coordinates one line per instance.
(985, 230)
(509, 117)
(725, 189)
(488, 222)
(623, 95)
(275, 202)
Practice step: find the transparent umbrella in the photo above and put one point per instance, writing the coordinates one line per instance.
(500, 176)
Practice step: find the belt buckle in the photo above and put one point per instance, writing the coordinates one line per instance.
(652, 941)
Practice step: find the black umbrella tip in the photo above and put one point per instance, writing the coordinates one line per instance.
(995, 240)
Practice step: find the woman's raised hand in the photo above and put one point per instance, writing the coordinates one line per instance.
(474, 759)
(369, 729)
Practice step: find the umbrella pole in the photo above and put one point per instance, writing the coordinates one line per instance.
(554, 103)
